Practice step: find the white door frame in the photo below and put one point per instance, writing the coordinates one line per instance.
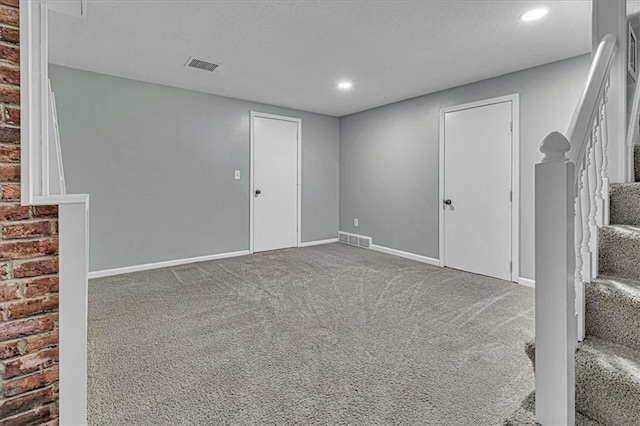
(298, 121)
(515, 175)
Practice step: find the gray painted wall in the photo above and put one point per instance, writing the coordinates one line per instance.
(158, 163)
(389, 156)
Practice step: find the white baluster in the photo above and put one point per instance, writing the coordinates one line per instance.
(586, 229)
(578, 231)
(605, 157)
(599, 161)
(593, 173)
(579, 305)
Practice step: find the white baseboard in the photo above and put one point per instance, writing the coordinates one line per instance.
(526, 282)
(157, 265)
(406, 255)
(319, 242)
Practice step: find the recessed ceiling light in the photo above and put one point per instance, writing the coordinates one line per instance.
(534, 15)
(345, 85)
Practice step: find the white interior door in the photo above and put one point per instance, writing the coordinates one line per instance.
(477, 217)
(275, 183)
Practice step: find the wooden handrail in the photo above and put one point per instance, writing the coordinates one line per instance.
(587, 109)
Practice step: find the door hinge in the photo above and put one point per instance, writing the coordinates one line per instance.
(511, 196)
(511, 126)
(511, 266)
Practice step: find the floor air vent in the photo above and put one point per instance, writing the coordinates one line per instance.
(354, 240)
(199, 64)
(364, 242)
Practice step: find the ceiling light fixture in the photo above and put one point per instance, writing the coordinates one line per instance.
(534, 15)
(345, 85)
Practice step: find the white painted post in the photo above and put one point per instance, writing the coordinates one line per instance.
(555, 280)
(74, 270)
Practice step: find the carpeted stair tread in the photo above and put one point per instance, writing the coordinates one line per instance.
(607, 381)
(613, 310)
(620, 251)
(530, 350)
(624, 200)
(525, 415)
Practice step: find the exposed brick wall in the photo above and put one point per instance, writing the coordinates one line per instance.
(28, 264)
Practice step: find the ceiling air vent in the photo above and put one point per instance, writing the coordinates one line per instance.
(200, 64)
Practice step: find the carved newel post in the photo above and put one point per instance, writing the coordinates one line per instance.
(555, 278)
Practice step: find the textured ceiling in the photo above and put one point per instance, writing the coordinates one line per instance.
(292, 53)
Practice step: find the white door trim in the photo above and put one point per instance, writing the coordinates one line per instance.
(298, 121)
(515, 175)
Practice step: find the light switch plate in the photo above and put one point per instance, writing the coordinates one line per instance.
(237, 175)
(355, 221)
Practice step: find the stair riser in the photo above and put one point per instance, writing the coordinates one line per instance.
(624, 203)
(619, 253)
(612, 316)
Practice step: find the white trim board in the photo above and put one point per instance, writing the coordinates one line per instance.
(177, 262)
(526, 282)
(318, 242)
(165, 264)
(515, 175)
(255, 114)
(391, 251)
(406, 255)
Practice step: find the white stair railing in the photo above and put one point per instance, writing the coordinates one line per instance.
(572, 192)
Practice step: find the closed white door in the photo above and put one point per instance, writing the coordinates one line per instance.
(477, 190)
(275, 183)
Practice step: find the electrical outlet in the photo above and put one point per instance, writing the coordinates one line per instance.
(237, 175)
(355, 221)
